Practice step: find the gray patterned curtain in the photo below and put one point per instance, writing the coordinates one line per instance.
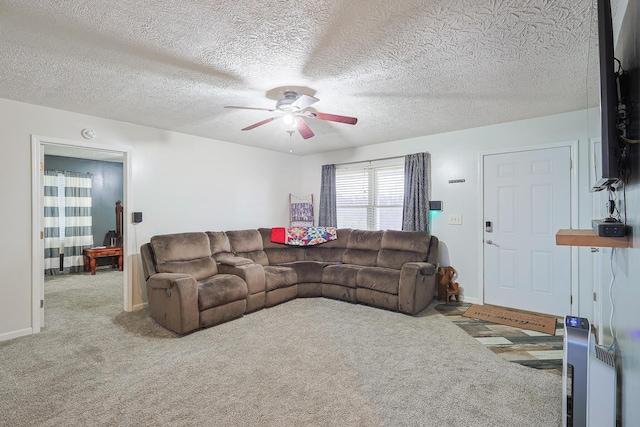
(78, 220)
(415, 211)
(327, 214)
(51, 224)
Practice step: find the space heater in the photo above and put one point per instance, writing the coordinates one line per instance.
(588, 378)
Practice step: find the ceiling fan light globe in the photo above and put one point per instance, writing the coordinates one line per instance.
(288, 119)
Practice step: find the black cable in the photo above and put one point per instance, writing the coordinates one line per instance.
(612, 205)
(624, 202)
(614, 341)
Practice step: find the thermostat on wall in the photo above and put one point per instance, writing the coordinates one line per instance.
(137, 217)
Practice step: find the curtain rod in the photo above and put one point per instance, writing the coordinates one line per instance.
(373, 160)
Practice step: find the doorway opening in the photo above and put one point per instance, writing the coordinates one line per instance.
(57, 150)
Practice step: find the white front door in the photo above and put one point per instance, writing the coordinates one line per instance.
(527, 199)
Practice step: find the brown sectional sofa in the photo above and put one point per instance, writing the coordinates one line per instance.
(201, 279)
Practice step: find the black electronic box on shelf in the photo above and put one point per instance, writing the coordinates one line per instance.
(609, 227)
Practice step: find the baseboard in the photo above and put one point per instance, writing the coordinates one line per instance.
(470, 300)
(140, 306)
(16, 334)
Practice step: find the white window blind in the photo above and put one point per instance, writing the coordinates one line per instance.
(370, 198)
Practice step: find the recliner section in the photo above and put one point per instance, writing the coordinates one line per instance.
(197, 280)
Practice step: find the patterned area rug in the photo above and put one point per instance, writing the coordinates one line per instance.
(529, 348)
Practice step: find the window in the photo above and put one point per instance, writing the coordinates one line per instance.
(370, 198)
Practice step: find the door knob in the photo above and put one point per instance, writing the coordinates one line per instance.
(490, 242)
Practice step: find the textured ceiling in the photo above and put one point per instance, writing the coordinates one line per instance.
(404, 68)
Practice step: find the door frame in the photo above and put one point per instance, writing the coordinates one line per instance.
(38, 144)
(573, 145)
(597, 254)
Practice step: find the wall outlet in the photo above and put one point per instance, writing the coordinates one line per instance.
(455, 219)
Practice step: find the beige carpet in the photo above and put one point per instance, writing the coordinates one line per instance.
(308, 362)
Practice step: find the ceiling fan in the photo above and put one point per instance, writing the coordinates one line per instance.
(293, 109)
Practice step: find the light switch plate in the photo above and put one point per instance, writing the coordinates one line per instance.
(455, 219)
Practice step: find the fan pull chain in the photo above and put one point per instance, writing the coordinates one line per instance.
(290, 132)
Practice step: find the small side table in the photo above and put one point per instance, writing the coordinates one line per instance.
(91, 254)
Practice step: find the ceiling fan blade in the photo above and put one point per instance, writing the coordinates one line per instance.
(264, 122)
(304, 101)
(334, 118)
(250, 108)
(304, 129)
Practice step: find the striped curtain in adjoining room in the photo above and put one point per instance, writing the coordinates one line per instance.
(78, 220)
(51, 224)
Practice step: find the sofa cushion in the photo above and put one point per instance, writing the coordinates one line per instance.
(220, 245)
(277, 276)
(187, 253)
(307, 271)
(365, 239)
(259, 257)
(377, 299)
(342, 293)
(341, 274)
(400, 247)
(279, 253)
(245, 240)
(219, 290)
(363, 247)
(284, 255)
(280, 295)
(180, 247)
(309, 290)
(198, 268)
(379, 279)
(332, 251)
(248, 244)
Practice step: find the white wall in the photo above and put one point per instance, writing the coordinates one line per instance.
(456, 155)
(180, 183)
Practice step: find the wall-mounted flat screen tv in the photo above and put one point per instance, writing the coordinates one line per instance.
(609, 100)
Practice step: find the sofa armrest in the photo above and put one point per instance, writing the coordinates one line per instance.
(416, 287)
(252, 274)
(165, 280)
(235, 261)
(173, 301)
(424, 268)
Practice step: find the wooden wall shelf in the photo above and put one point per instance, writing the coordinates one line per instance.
(586, 237)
